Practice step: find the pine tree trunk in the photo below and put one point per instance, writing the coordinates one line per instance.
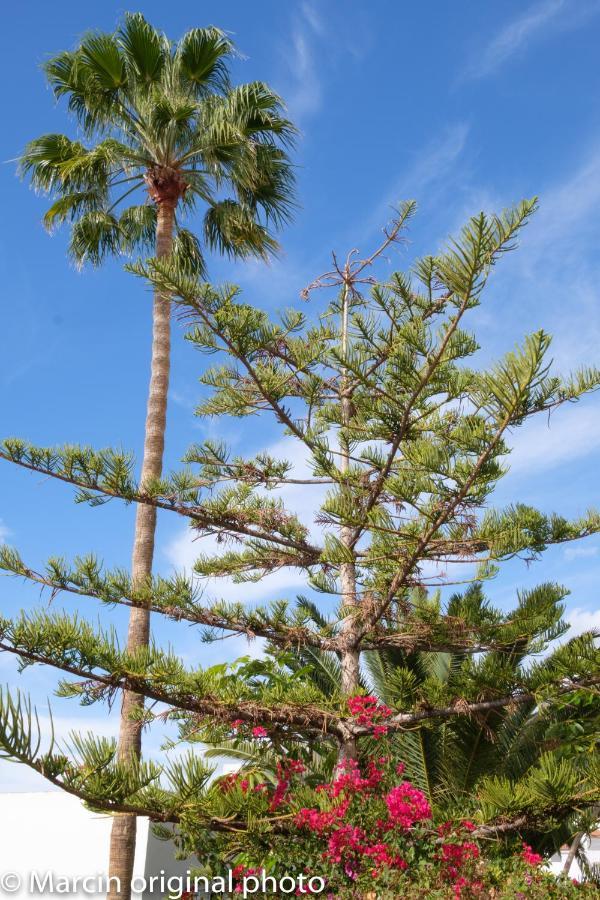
(350, 656)
(123, 834)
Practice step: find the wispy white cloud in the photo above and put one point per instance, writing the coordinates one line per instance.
(4, 531)
(276, 283)
(516, 35)
(551, 282)
(568, 209)
(430, 169)
(313, 18)
(183, 551)
(572, 553)
(305, 99)
(572, 433)
(304, 92)
(532, 25)
(433, 161)
(302, 500)
(581, 620)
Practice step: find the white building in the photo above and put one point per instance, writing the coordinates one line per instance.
(590, 845)
(52, 832)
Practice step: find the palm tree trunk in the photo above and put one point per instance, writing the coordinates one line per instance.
(122, 839)
(574, 847)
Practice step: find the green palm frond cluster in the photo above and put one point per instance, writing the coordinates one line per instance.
(152, 113)
(532, 759)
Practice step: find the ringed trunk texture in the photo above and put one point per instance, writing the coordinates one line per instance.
(123, 833)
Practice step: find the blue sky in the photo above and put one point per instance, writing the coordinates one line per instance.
(462, 106)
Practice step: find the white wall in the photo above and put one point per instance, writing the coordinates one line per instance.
(53, 832)
(592, 851)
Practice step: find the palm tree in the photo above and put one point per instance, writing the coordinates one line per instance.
(451, 761)
(160, 118)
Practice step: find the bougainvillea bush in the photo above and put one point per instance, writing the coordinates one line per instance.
(370, 833)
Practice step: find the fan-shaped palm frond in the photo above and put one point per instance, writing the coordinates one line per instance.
(167, 121)
(450, 761)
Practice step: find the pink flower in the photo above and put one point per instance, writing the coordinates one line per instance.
(458, 886)
(286, 769)
(242, 871)
(228, 782)
(352, 781)
(454, 856)
(279, 794)
(407, 805)
(259, 732)
(531, 858)
(320, 821)
(347, 839)
(292, 766)
(368, 711)
(383, 856)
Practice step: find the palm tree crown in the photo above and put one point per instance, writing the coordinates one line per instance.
(165, 119)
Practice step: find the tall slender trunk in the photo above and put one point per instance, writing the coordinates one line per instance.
(574, 847)
(123, 833)
(350, 655)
